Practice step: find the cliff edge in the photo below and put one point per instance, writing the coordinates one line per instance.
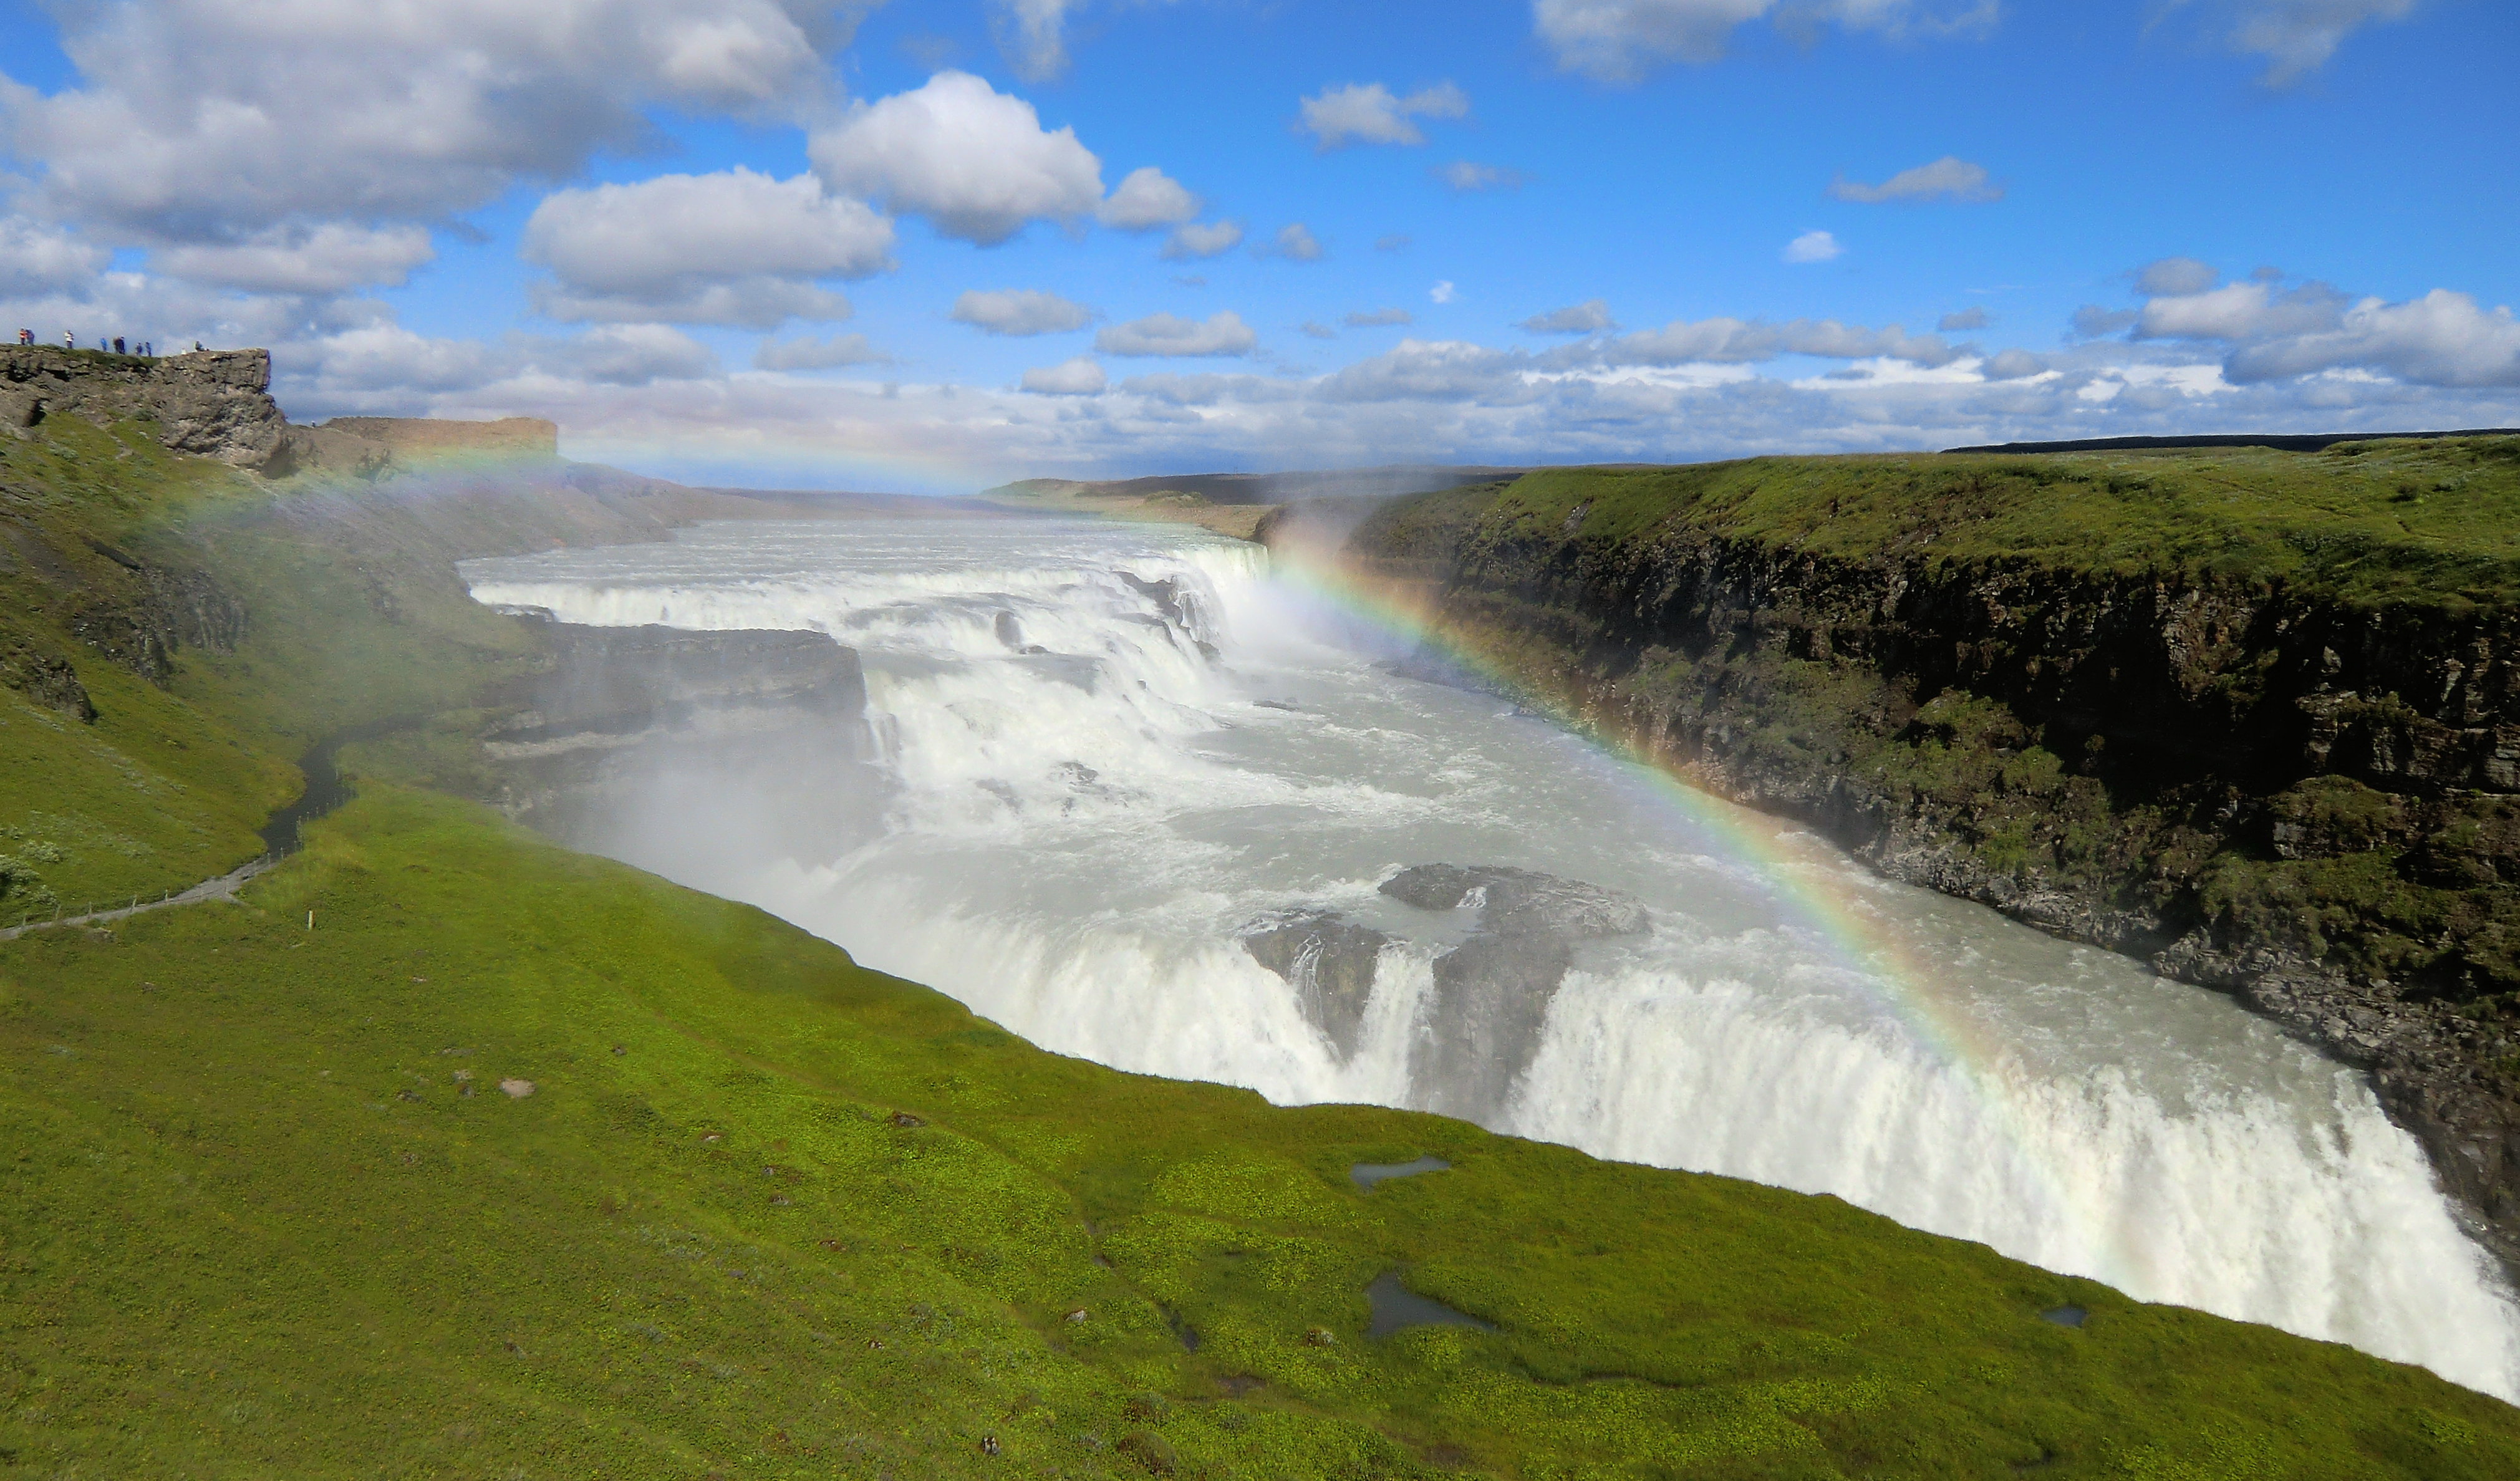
(2250, 716)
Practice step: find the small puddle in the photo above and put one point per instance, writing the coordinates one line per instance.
(1368, 1174)
(2064, 1316)
(1396, 1308)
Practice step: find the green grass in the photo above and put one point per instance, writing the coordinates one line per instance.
(251, 1228)
(2423, 522)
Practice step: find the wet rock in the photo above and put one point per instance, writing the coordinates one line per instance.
(1515, 901)
(1009, 631)
(1329, 961)
(1165, 594)
(1492, 991)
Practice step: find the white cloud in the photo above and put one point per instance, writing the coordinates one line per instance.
(1620, 40)
(1080, 377)
(1379, 318)
(1190, 241)
(2013, 365)
(40, 259)
(1467, 176)
(1949, 178)
(1813, 247)
(1741, 341)
(211, 121)
(1020, 311)
(2297, 37)
(1313, 329)
(2175, 275)
(976, 163)
(808, 353)
(631, 354)
(731, 248)
(2442, 339)
(1222, 334)
(1441, 293)
(327, 259)
(1587, 317)
(2239, 311)
(2092, 321)
(1296, 244)
(1367, 112)
(1963, 321)
(1145, 199)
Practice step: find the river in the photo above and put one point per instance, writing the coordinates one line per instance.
(1098, 756)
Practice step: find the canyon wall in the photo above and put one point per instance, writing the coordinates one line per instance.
(2268, 786)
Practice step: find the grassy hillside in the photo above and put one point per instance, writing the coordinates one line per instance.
(267, 1210)
(2369, 522)
(765, 1213)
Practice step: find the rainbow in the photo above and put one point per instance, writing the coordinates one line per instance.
(1807, 890)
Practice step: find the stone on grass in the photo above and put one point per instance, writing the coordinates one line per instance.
(517, 1089)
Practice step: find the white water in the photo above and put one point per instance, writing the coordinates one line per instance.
(1071, 841)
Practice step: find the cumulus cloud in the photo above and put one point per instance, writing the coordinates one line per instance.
(2297, 37)
(2175, 275)
(974, 162)
(733, 247)
(327, 259)
(1966, 320)
(632, 354)
(1813, 247)
(1621, 40)
(2013, 365)
(1020, 311)
(1144, 200)
(41, 259)
(2239, 311)
(207, 121)
(1296, 244)
(1378, 318)
(809, 353)
(1464, 175)
(1741, 341)
(1442, 292)
(1368, 113)
(1585, 318)
(1080, 377)
(1191, 241)
(1949, 178)
(1222, 334)
(1314, 328)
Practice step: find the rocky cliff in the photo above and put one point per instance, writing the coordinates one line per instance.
(210, 403)
(2285, 777)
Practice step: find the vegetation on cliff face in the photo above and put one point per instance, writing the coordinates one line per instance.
(2255, 715)
(521, 1163)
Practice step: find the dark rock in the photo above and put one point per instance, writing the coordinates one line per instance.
(1492, 991)
(1009, 631)
(1330, 962)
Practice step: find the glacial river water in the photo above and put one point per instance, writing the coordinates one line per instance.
(1101, 754)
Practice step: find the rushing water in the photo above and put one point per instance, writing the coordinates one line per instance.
(1105, 752)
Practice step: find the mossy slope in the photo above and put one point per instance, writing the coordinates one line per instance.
(766, 1212)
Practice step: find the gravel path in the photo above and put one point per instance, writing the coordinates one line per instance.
(224, 887)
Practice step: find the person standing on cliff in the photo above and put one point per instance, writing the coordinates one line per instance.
(26, 337)
(69, 340)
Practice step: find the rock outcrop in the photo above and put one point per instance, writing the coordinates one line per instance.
(1492, 989)
(209, 403)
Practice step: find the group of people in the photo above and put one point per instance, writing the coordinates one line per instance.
(70, 341)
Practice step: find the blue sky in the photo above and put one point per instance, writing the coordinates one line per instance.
(727, 240)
